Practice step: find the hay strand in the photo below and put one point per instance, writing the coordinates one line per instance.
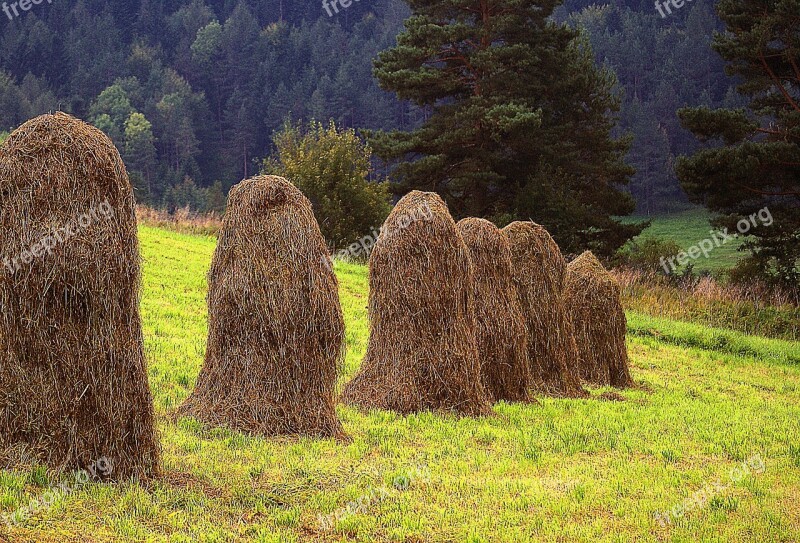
(73, 380)
(593, 298)
(422, 352)
(539, 270)
(276, 331)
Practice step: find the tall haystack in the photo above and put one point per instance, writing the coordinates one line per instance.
(73, 378)
(276, 331)
(592, 298)
(501, 332)
(539, 270)
(422, 352)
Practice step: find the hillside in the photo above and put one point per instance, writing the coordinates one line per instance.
(195, 88)
(565, 470)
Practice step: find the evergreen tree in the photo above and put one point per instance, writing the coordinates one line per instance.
(753, 158)
(520, 119)
(140, 155)
(652, 185)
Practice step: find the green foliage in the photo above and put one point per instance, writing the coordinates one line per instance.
(520, 122)
(114, 103)
(21, 100)
(332, 167)
(751, 309)
(140, 154)
(647, 253)
(198, 199)
(239, 68)
(661, 65)
(752, 160)
(746, 271)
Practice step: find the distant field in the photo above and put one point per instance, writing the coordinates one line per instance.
(687, 228)
(590, 470)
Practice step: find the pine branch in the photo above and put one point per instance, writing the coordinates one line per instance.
(777, 82)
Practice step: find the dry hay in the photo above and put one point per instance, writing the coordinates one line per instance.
(276, 331)
(539, 271)
(592, 297)
(73, 378)
(501, 332)
(422, 352)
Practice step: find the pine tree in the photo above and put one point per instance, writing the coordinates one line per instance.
(140, 155)
(650, 155)
(519, 123)
(753, 158)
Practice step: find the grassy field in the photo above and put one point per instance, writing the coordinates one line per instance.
(589, 470)
(688, 228)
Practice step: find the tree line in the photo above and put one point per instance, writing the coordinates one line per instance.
(195, 89)
(566, 112)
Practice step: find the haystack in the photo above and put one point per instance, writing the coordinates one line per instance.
(73, 379)
(276, 331)
(539, 270)
(422, 352)
(592, 298)
(501, 332)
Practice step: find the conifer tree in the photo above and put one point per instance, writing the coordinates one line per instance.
(520, 119)
(753, 158)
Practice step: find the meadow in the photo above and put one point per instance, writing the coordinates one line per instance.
(599, 469)
(687, 228)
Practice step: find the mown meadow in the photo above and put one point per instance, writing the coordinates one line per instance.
(598, 469)
(687, 228)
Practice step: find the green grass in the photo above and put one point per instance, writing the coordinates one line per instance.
(687, 229)
(566, 470)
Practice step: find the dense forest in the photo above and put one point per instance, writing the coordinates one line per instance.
(193, 91)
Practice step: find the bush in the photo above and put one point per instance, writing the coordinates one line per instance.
(187, 195)
(647, 254)
(332, 167)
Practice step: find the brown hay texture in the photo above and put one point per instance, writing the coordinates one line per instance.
(539, 270)
(73, 378)
(276, 330)
(592, 297)
(422, 353)
(501, 331)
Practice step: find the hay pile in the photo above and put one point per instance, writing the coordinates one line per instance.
(592, 298)
(501, 332)
(276, 331)
(73, 380)
(539, 270)
(422, 352)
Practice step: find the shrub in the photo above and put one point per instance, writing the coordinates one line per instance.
(647, 254)
(332, 167)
